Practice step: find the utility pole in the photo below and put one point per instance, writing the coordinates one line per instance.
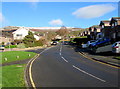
(9, 44)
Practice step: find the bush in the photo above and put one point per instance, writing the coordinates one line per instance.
(21, 45)
(17, 41)
(40, 42)
(11, 46)
(29, 40)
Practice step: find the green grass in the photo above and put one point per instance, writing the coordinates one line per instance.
(12, 56)
(13, 76)
(118, 57)
(82, 37)
(11, 46)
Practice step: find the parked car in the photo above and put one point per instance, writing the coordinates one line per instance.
(84, 46)
(100, 42)
(116, 47)
(2, 47)
(90, 42)
(66, 42)
(54, 43)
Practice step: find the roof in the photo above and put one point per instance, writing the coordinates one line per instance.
(105, 21)
(116, 17)
(9, 29)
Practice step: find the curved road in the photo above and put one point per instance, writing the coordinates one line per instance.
(61, 66)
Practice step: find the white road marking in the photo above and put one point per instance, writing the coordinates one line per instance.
(45, 50)
(60, 53)
(64, 59)
(88, 73)
(60, 50)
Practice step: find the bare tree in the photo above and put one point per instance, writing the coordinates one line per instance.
(63, 31)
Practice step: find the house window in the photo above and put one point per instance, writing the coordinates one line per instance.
(116, 23)
(113, 25)
(102, 26)
(19, 35)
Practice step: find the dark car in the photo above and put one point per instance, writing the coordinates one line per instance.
(2, 47)
(54, 43)
(66, 42)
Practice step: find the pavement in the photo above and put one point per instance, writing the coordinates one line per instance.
(62, 66)
(23, 49)
(106, 57)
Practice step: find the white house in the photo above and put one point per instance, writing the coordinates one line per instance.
(21, 33)
(36, 37)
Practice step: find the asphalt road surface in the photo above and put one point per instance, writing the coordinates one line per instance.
(61, 66)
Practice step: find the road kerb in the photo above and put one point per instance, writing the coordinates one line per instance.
(98, 61)
(29, 65)
(30, 74)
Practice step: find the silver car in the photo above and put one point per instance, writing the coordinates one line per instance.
(116, 47)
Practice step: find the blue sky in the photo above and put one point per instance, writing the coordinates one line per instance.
(53, 14)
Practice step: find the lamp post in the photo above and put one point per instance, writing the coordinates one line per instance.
(9, 44)
(46, 35)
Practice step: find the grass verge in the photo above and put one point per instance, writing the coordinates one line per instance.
(118, 57)
(13, 76)
(11, 56)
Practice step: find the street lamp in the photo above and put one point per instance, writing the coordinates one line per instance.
(9, 43)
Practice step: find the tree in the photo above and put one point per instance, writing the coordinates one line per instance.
(3, 43)
(29, 40)
(51, 35)
(40, 42)
(63, 31)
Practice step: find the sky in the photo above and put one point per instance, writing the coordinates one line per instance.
(56, 14)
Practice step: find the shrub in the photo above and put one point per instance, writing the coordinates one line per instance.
(11, 46)
(29, 40)
(22, 45)
(17, 41)
(40, 42)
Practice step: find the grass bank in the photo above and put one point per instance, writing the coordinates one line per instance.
(11, 56)
(118, 57)
(13, 76)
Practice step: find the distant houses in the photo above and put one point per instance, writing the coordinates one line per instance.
(9, 35)
(106, 29)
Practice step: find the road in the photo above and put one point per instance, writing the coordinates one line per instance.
(61, 66)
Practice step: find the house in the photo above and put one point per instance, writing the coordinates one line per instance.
(91, 33)
(97, 33)
(21, 33)
(105, 28)
(58, 37)
(115, 27)
(6, 40)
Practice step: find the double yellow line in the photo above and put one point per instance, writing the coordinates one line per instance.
(98, 61)
(30, 72)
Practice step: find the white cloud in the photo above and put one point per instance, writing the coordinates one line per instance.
(34, 3)
(1, 18)
(93, 11)
(56, 22)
